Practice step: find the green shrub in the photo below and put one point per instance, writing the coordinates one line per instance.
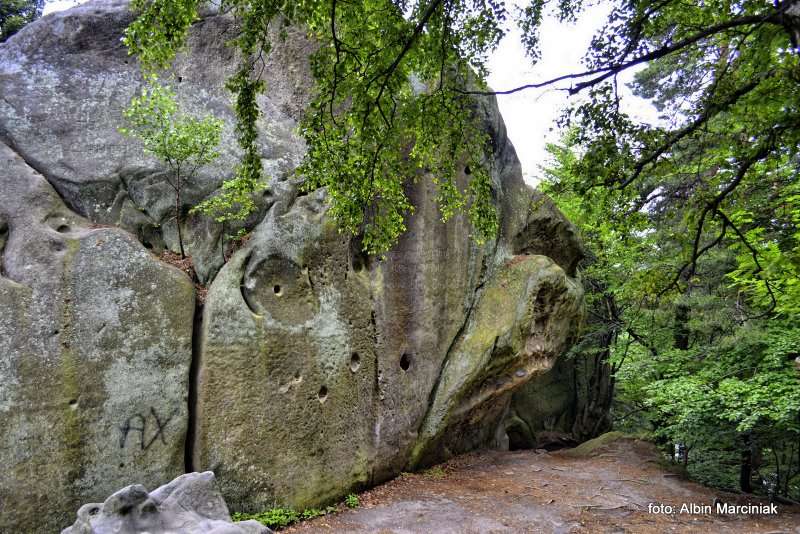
(351, 501)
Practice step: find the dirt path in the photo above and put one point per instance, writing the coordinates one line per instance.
(507, 492)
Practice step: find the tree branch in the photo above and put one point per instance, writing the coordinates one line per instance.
(610, 70)
(711, 111)
(759, 268)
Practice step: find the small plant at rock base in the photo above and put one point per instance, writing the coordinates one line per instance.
(435, 472)
(272, 518)
(182, 143)
(311, 513)
(351, 501)
(278, 517)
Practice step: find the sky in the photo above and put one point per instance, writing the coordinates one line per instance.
(531, 115)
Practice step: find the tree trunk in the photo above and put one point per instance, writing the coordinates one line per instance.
(178, 220)
(746, 467)
(595, 382)
(681, 327)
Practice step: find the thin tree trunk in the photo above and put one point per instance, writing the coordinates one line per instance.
(746, 466)
(686, 459)
(178, 219)
(681, 328)
(222, 243)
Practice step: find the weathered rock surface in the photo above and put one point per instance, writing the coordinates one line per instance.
(319, 370)
(95, 349)
(355, 369)
(65, 81)
(519, 327)
(190, 504)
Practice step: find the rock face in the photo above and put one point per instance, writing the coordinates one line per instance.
(315, 370)
(190, 504)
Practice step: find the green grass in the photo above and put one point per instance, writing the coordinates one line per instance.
(278, 518)
(435, 472)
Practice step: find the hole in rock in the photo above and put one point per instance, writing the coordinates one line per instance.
(276, 289)
(148, 508)
(95, 510)
(62, 229)
(323, 394)
(405, 362)
(467, 170)
(355, 362)
(121, 466)
(73, 403)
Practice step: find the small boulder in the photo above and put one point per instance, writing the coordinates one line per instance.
(190, 504)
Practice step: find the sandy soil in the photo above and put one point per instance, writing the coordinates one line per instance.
(504, 492)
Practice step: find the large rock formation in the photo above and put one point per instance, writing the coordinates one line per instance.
(315, 369)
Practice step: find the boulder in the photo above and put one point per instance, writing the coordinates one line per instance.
(190, 504)
(525, 318)
(95, 350)
(354, 369)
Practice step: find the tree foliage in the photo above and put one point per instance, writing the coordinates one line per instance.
(14, 14)
(182, 142)
(707, 365)
(694, 226)
(388, 107)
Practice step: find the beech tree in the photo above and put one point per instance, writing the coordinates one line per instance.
(183, 143)
(367, 111)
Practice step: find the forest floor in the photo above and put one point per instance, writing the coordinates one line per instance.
(606, 489)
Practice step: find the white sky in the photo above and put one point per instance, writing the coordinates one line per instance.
(58, 5)
(530, 115)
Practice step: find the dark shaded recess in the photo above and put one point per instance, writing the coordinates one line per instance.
(3, 238)
(359, 260)
(355, 362)
(194, 373)
(519, 437)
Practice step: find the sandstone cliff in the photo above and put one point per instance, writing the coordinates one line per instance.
(311, 369)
